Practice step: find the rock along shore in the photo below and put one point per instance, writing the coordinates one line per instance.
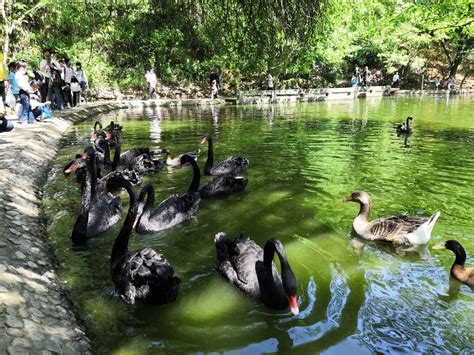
(35, 313)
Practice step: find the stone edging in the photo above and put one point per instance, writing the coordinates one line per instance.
(35, 313)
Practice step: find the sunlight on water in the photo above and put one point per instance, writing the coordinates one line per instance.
(354, 297)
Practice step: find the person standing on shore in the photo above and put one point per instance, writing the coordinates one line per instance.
(270, 85)
(357, 74)
(51, 89)
(68, 74)
(366, 76)
(25, 89)
(213, 75)
(396, 80)
(81, 77)
(3, 81)
(151, 80)
(213, 89)
(12, 81)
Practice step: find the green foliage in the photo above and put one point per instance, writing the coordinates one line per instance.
(319, 41)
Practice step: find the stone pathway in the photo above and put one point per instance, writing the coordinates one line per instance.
(35, 314)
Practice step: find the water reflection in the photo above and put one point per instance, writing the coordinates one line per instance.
(306, 334)
(215, 118)
(358, 244)
(155, 129)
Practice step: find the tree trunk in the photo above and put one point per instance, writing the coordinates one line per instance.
(6, 40)
(465, 76)
(453, 68)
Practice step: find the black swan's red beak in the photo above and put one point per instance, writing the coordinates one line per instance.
(294, 305)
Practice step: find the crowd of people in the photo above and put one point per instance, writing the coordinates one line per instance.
(33, 94)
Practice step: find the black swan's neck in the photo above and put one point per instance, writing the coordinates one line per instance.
(210, 157)
(121, 243)
(269, 252)
(149, 191)
(107, 154)
(93, 174)
(194, 187)
(460, 255)
(288, 277)
(97, 123)
(116, 160)
(408, 123)
(79, 231)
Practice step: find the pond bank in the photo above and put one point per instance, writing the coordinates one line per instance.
(35, 313)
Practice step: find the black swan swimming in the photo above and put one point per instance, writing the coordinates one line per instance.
(251, 268)
(99, 132)
(230, 165)
(142, 166)
(137, 159)
(405, 126)
(114, 136)
(99, 212)
(142, 275)
(223, 185)
(176, 161)
(102, 151)
(171, 211)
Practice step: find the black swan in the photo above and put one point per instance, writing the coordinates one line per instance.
(458, 270)
(405, 126)
(171, 211)
(144, 274)
(230, 165)
(176, 161)
(251, 268)
(102, 151)
(114, 136)
(141, 167)
(99, 212)
(223, 185)
(98, 132)
(138, 159)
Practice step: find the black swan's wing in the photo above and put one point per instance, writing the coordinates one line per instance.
(240, 269)
(170, 212)
(105, 211)
(127, 158)
(223, 185)
(130, 175)
(230, 165)
(145, 275)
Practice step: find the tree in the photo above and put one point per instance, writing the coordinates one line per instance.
(15, 14)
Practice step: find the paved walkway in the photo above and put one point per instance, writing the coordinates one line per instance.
(35, 314)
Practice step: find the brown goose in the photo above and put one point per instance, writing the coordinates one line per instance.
(395, 229)
(458, 270)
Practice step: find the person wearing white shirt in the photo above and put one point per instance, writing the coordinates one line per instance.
(395, 79)
(82, 79)
(21, 78)
(68, 74)
(51, 89)
(151, 80)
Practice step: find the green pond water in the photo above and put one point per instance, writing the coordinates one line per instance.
(354, 298)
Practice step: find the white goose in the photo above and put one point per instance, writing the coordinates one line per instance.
(395, 229)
